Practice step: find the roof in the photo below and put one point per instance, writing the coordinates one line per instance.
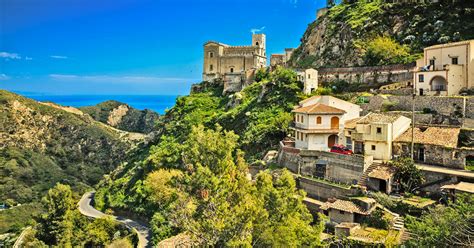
(215, 42)
(440, 136)
(382, 172)
(278, 55)
(461, 186)
(378, 118)
(450, 44)
(346, 206)
(319, 108)
(351, 124)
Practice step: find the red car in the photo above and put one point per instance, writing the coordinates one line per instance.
(341, 149)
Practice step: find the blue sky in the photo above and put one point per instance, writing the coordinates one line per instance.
(137, 47)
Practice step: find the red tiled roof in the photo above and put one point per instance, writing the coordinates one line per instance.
(319, 108)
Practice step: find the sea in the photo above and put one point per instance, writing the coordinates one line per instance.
(158, 103)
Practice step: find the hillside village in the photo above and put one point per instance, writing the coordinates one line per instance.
(362, 136)
(342, 153)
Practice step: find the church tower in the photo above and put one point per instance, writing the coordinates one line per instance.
(259, 41)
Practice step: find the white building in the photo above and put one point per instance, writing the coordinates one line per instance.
(319, 122)
(309, 77)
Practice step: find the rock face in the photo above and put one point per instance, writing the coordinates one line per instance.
(338, 37)
(123, 117)
(42, 144)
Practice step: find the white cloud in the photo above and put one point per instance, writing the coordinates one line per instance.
(28, 58)
(58, 57)
(117, 79)
(256, 30)
(4, 76)
(8, 55)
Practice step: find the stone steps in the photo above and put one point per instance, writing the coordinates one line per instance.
(363, 179)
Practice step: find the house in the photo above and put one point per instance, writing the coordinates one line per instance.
(374, 133)
(340, 211)
(234, 65)
(433, 145)
(281, 59)
(319, 122)
(381, 178)
(445, 69)
(309, 77)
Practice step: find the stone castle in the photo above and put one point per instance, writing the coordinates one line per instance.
(234, 65)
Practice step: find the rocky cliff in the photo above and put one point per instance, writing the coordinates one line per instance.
(359, 33)
(44, 143)
(123, 116)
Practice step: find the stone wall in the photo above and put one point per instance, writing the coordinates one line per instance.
(445, 110)
(432, 177)
(321, 190)
(372, 75)
(339, 168)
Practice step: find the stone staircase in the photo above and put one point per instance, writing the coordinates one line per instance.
(363, 179)
(399, 225)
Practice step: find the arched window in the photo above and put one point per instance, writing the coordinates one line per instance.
(211, 54)
(211, 67)
(231, 70)
(318, 120)
(256, 43)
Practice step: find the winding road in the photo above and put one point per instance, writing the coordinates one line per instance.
(87, 209)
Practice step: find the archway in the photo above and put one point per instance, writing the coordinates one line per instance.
(332, 140)
(439, 83)
(335, 122)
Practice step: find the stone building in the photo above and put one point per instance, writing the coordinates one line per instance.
(374, 133)
(433, 145)
(281, 59)
(340, 211)
(234, 65)
(445, 69)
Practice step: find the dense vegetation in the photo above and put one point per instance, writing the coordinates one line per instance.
(63, 226)
(377, 32)
(42, 145)
(194, 179)
(133, 120)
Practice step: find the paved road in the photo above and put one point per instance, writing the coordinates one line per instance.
(86, 209)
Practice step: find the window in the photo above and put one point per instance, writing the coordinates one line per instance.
(373, 147)
(211, 55)
(454, 61)
(421, 78)
(318, 120)
(302, 119)
(211, 67)
(256, 43)
(379, 130)
(231, 70)
(309, 76)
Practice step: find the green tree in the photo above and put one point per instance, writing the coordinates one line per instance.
(444, 226)
(407, 174)
(385, 51)
(161, 228)
(101, 231)
(56, 224)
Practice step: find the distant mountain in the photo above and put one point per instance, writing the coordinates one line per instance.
(44, 143)
(123, 116)
(376, 32)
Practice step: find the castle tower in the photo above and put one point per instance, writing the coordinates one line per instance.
(259, 40)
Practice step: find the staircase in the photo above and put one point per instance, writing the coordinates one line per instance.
(363, 179)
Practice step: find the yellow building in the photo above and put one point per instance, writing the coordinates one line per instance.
(319, 122)
(445, 69)
(374, 133)
(235, 65)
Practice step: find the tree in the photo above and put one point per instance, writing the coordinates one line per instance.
(407, 174)
(330, 3)
(385, 51)
(56, 224)
(101, 231)
(444, 226)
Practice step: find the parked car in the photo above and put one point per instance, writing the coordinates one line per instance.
(341, 150)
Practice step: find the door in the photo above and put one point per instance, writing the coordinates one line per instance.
(383, 186)
(421, 154)
(421, 92)
(332, 140)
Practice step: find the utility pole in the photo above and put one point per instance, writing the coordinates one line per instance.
(413, 125)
